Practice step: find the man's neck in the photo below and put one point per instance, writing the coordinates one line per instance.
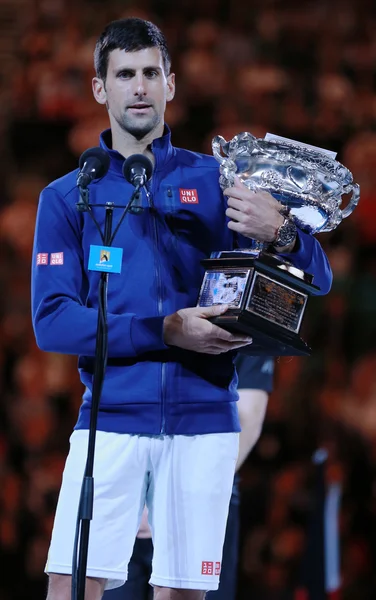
(126, 144)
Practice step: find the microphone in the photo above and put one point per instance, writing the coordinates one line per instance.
(137, 170)
(94, 163)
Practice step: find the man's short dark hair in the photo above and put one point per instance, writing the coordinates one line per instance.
(131, 35)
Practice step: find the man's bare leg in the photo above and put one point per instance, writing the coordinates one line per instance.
(162, 593)
(60, 587)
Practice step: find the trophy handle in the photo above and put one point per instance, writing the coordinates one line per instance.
(353, 200)
(218, 144)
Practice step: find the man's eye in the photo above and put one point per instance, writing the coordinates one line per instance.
(125, 74)
(151, 74)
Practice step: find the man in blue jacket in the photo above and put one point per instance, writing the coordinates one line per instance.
(167, 422)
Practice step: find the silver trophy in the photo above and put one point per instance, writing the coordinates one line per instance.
(266, 295)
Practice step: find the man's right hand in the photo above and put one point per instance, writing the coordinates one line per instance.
(189, 328)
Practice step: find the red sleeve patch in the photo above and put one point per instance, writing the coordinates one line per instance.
(42, 258)
(57, 258)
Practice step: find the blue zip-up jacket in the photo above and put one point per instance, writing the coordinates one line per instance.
(149, 388)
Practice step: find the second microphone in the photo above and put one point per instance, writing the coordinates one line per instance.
(137, 170)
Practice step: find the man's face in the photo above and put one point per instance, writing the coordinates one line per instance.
(136, 90)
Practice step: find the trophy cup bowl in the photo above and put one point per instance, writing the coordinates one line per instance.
(306, 180)
(265, 294)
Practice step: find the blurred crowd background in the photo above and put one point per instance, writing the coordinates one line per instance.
(302, 69)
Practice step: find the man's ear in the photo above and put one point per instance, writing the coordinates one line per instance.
(170, 87)
(99, 90)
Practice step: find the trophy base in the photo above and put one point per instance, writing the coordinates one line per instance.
(266, 300)
(267, 340)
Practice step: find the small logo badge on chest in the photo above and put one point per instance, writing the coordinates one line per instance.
(188, 196)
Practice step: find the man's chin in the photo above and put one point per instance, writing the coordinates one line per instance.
(139, 129)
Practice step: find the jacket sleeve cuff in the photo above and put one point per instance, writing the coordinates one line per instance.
(147, 334)
(302, 254)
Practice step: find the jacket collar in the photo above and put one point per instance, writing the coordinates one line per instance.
(161, 148)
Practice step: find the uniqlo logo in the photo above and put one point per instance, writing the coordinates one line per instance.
(42, 258)
(188, 196)
(207, 568)
(217, 568)
(57, 258)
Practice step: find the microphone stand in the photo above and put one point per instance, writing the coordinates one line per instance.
(85, 508)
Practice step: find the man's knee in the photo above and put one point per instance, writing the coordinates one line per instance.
(162, 593)
(60, 587)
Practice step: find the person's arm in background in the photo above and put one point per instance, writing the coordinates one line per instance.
(255, 383)
(252, 408)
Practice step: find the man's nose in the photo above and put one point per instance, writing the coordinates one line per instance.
(140, 87)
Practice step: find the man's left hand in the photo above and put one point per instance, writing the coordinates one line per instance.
(253, 214)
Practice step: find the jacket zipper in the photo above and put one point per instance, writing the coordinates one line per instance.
(160, 301)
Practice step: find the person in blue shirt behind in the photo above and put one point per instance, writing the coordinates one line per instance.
(168, 422)
(255, 375)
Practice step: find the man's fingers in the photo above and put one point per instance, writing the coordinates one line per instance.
(212, 311)
(242, 193)
(223, 347)
(235, 203)
(227, 336)
(238, 182)
(235, 193)
(236, 345)
(238, 227)
(236, 215)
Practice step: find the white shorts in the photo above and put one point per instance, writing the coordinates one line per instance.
(186, 482)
